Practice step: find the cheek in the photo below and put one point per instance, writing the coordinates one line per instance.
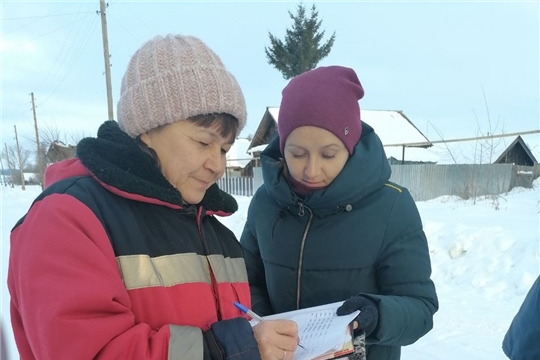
(332, 174)
(178, 170)
(295, 166)
(334, 169)
(174, 175)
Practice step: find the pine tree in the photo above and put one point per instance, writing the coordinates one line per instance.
(301, 50)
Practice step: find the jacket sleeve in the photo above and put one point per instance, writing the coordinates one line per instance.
(407, 298)
(260, 300)
(521, 340)
(68, 299)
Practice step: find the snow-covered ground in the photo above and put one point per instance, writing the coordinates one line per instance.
(485, 256)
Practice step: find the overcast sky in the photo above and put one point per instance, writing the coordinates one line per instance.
(432, 60)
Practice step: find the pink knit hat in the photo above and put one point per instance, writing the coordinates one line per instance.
(174, 78)
(326, 97)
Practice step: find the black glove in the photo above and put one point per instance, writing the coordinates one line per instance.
(369, 312)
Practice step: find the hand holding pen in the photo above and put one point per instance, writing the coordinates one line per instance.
(259, 319)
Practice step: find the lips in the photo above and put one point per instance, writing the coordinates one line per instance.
(312, 184)
(204, 183)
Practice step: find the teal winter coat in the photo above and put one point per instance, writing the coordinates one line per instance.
(521, 339)
(360, 235)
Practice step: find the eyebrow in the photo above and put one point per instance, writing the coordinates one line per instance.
(324, 147)
(215, 135)
(333, 144)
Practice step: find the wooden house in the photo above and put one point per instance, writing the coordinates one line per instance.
(239, 160)
(517, 153)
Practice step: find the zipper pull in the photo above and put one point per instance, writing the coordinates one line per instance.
(301, 210)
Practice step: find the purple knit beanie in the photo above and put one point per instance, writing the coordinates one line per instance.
(326, 97)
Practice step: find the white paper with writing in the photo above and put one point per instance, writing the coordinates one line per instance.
(319, 329)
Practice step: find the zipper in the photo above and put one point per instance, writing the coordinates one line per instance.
(301, 212)
(301, 209)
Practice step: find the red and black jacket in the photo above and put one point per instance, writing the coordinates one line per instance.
(108, 264)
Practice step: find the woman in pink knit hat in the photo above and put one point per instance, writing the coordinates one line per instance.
(122, 257)
(327, 225)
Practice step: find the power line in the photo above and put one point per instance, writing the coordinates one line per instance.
(67, 63)
(123, 27)
(42, 16)
(429, 143)
(70, 53)
(138, 17)
(112, 17)
(33, 22)
(50, 32)
(75, 57)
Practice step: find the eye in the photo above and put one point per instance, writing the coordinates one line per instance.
(203, 144)
(328, 156)
(298, 156)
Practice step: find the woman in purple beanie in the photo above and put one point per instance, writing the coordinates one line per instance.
(328, 225)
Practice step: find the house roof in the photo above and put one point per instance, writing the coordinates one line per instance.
(237, 156)
(518, 141)
(274, 111)
(258, 148)
(392, 126)
(482, 151)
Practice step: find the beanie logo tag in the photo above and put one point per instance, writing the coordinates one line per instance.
(346, 130)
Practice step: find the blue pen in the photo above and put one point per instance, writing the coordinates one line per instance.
(254, 316)
(245, 310)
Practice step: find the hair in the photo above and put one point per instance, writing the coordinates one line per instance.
(226, 124)
(148, 151)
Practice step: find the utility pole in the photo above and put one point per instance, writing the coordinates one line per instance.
(39, 159)
(106, 57)
(19, 154)
(9, 166)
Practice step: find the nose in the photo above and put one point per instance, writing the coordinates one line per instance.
(215, 161)
(312, 168)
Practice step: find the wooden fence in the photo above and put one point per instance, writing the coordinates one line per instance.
(242, 186)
